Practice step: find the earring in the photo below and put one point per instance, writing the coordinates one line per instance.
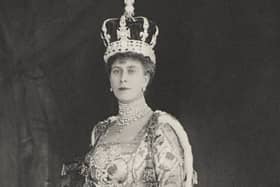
(111, 89)
(143, 89)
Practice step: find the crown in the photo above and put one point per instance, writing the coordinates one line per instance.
(129, 34)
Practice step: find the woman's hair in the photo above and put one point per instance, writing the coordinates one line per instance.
(148, 65)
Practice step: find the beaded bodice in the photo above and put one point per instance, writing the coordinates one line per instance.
(117, 164)
(153, 158)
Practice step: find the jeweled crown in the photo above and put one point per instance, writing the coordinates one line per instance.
(129, 34)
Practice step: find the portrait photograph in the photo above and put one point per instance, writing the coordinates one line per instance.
(139, 93)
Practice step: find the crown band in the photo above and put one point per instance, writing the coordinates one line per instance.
(136, 46)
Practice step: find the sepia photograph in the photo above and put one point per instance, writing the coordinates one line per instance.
(139, 93)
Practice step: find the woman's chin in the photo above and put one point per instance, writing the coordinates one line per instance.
(126, 99)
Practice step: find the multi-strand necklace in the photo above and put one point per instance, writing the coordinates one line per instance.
(129, 113)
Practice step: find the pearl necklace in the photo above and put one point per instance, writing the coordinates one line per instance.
(132, 112)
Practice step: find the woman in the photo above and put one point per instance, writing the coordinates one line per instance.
(139, 146)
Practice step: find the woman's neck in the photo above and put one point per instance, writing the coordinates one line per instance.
(133, 111)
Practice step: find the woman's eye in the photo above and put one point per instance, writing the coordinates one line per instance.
(131, 71)
(115, 71)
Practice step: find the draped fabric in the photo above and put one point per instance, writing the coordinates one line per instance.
(30, 62)
(27, 151)
(9, 140)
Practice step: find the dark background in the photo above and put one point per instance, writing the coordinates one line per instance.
(217, 72)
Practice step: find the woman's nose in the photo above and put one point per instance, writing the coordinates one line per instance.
(123, 77)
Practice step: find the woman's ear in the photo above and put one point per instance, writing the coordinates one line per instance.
(146, 79)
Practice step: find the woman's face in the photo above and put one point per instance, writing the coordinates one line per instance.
(128, 79)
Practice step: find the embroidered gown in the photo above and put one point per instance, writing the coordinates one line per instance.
(154, 157)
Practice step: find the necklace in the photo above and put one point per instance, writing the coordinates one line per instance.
(129, 113)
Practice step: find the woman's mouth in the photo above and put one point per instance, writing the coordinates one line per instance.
(123, 88)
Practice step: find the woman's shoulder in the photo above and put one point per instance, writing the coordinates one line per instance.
(168, 124)
(165, 117)
(166, 120)
(162, 122)
(104, 123)
(101, 126)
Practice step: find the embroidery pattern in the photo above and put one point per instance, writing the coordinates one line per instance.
(153, 161)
